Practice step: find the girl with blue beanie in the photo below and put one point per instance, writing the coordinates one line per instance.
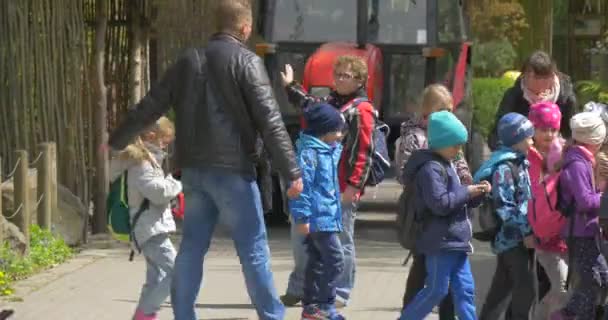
(442, 206)
(508, 170)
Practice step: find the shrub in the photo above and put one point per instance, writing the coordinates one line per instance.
(492, 58)
(46, 251)
(487, 94)
(591, 91)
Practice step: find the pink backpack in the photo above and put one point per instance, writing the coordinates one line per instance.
(543, 215)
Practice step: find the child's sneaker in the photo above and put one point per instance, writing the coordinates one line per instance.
(140, 315)
(313, 312)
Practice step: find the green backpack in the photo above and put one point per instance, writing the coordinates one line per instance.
(119, 218)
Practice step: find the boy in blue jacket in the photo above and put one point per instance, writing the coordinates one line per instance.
(442, 207)
(317, 212)
(508, 169)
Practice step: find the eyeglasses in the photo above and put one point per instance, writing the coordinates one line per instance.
(343, 76)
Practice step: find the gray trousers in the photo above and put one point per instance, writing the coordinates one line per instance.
(160, 258)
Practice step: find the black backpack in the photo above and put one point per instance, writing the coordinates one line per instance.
(410, 223)
(381, 161)
(489, 221)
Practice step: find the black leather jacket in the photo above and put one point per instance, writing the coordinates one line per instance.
(206, 135)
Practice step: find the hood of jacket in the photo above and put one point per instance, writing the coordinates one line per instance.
(133, 155)
(411, 123)
(417, 160)
(502, 154)
(307, 141)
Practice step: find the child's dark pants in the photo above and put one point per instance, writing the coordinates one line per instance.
(325, 264)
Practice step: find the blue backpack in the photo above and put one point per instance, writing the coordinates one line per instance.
(381, 161)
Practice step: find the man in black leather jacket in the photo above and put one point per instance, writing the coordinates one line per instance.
(223, 102)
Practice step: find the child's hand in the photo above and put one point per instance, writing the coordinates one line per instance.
(475, 190)
(303, 229)
(487, 187)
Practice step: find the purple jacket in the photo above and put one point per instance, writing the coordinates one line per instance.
(576, 185)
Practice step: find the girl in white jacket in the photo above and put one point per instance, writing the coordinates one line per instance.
(146, 180)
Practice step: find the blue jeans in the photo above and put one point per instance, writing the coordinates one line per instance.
(295, 286)
(346, 281)
(443, 270)
(212, 194)
(325, 263)
(160, 259)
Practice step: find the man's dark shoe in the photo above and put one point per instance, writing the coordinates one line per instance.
(290, 300)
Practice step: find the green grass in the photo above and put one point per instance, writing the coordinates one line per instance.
(46, 250)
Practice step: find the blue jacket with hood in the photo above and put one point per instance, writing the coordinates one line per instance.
(319, 203)
(511, 200)
(442, 204)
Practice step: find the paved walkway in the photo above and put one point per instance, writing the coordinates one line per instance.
(100, 283)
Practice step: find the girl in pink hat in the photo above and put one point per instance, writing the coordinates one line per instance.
(545, 219)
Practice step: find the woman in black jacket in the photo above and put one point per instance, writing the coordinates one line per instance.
(540, 81)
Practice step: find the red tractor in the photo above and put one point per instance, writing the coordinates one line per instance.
(407, 44)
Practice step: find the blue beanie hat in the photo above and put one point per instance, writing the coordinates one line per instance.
(513, 128)
(445, 130)
(322, 119)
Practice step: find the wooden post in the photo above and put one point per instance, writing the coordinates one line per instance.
(44, 187)
(53, 177)
(101, 184)
(21, 203)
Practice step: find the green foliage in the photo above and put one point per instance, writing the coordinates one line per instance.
(591, 91)
(487, 94)
(492, 58)
(46, 251)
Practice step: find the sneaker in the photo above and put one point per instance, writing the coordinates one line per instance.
(290, 300)
(140, 315)
(313, 312)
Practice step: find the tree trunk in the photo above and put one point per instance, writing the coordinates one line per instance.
(135, 53)
(98, 83)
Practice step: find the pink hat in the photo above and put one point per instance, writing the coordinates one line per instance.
(545, 115)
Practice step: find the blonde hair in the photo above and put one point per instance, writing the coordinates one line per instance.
(436, 97)
(163, 128)
(356, 64)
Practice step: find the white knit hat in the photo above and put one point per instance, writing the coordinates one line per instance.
(588, 128)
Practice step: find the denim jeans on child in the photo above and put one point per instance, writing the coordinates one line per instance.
(160, 258)
(445, 270)
(346, 280)
(325, 263)
(212, 195)
(514, 277)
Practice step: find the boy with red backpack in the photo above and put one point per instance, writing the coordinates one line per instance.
(544, 218)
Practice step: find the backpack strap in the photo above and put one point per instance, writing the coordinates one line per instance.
(145, 205)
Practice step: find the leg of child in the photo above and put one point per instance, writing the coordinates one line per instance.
(463, 288)
(438, 272)
(295, 285)
(591, 271)
(446, 307)
(510, 266)
(312, 275)
(160, 257)
(415, 279)
(332, 260)
(524, 277)
(556, 269)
